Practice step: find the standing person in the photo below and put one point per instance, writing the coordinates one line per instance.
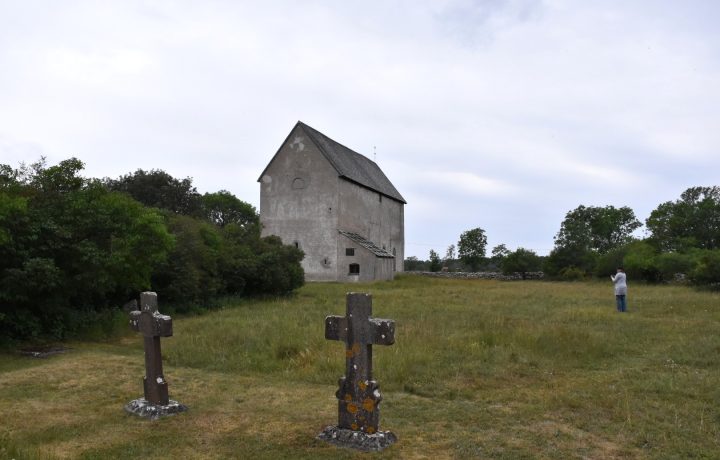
(620, 289)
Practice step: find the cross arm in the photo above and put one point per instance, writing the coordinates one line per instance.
(383, 331)
(163, 325)
(151, 324)
(135, 320)
(335, 328)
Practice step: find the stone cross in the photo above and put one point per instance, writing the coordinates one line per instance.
(359, 395)
(152, 325)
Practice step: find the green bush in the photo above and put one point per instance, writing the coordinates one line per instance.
(572, 274)
(570, 257)
(671, 263)
(607, 264)
(275, 269)
(69, 249)
(521, 261)
(640, 262)
(189, 275)
(209, 261)
(707, 271)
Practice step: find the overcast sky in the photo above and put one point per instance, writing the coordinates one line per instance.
(503, 115)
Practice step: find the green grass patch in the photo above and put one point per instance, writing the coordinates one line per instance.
(479, 369)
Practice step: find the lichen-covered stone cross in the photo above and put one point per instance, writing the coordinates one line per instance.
(359, 395)
(152, 325)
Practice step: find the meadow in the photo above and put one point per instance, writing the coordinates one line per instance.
(480, 369)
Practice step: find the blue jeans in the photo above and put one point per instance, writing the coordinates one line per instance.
(621, 305)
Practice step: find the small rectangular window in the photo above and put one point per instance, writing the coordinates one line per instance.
(354, 269)
(349, 251)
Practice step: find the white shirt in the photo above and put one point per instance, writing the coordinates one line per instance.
(620, 283)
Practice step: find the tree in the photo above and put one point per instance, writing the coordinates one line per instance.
(222, 208)
(597, 229)
(471, 247)
(588, 232)
(562, 258)
(413, 264)
(70, 249)
(190, 274)
(498, 254)
(158, 189)
(693, 221)
(450, 254)
(435, 262)
(521, 261)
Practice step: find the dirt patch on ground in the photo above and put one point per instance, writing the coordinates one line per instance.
(587, 445)
(44, 351)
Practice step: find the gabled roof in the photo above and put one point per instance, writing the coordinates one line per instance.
(367, 244)
(351, 165)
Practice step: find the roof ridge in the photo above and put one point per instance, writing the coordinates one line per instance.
(305, 125)
(311, 132)
(357, 167)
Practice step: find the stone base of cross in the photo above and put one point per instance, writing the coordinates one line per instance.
(358, 394)
(357, 440)
(143, 408)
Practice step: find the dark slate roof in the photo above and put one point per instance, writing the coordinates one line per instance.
(353, 166)
(367, 244)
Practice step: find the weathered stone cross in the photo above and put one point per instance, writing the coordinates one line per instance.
(359, 395)
(152, 325)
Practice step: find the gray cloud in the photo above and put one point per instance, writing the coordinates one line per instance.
(498, 114)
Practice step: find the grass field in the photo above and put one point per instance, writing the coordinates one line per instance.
(482, 369)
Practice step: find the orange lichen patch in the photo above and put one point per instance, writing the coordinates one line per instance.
(349, 353)
(354, 426)
(371, 430)
(362, 385)
(368, 404)
(352, 408)
(348, 397)
(356, 348)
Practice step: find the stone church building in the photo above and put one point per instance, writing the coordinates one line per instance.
(334, 204)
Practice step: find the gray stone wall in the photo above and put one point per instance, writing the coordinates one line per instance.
(483, 275)
(378, 218)
(371, 267)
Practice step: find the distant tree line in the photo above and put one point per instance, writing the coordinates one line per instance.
(683, 239)
(73, 250)
(470, 255)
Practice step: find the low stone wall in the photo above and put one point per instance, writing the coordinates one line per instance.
(482, 275)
